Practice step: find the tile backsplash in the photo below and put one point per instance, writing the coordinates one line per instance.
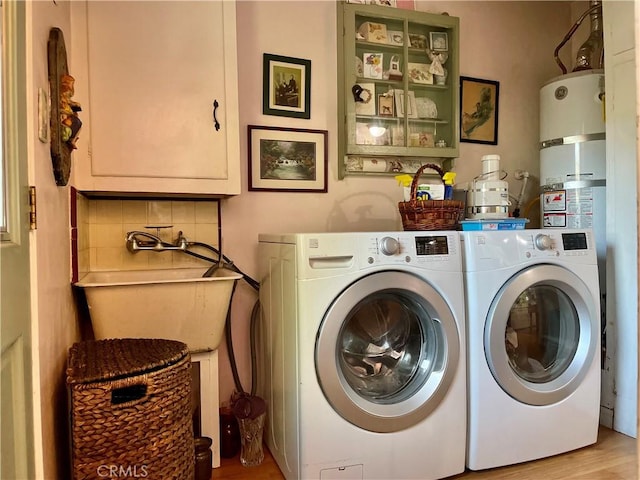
(102, 226)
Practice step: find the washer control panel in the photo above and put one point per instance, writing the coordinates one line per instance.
(411, 248)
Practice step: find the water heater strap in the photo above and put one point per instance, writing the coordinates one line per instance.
(587, 137)
(574, 184)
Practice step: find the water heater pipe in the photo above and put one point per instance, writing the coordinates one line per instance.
(596, 5)
(524, 176)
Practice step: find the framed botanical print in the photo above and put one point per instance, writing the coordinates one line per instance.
(479, 110)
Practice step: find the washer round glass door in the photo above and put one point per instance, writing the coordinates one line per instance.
(541, 334)
(387, 351)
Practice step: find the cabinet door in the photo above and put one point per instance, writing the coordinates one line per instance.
(400, 83)
(162, 97)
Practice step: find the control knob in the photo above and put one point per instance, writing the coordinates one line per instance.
(543, 242)
(389, 246)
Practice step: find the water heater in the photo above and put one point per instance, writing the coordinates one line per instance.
(572, 156)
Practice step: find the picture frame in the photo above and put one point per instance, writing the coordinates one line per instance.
(286, 86)
(439, 41)
(479, 110)
(419, 73)
(287, 159)
(412, 111)
(395, 37)
(385, 105)
(417, 40)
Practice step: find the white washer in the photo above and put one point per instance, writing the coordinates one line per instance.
(361, 354)
(533, 344)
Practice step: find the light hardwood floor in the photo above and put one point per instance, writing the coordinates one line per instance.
(613, 457)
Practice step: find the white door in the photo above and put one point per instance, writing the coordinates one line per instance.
(16, 416)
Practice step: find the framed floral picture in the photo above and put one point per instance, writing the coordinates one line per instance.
(286, 86)
(287, 159)
(419, 73)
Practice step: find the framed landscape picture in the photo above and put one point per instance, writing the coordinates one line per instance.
(287, 159)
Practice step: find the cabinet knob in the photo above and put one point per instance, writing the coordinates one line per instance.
(216, 124)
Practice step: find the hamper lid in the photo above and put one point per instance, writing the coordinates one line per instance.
(111, 359)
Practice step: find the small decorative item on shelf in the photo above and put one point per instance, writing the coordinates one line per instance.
(417, 41)
(430, 214)
(436, 68)
(359, 67)
(374, 32)
(441, 79)
(395, 38)
(363, 95)
(394, 72)
(426, 108)
(372, 65)
(412, 111)
(439, 41)
(385, 105)
(420, 73)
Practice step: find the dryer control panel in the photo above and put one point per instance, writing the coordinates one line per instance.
(559, 243)
(492, 250)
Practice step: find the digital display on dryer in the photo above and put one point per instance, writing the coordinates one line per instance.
(574, 241)
(432, 245)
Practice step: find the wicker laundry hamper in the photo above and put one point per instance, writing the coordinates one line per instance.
(430, 214)
(130, 409)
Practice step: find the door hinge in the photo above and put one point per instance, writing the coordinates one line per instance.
(33, 224)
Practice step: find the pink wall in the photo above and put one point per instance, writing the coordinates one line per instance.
(53, 315)
(511, 42)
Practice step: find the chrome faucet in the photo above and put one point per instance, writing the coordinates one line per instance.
(152, 242)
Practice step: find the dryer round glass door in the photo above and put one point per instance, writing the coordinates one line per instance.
(541, 334)
(387, 351)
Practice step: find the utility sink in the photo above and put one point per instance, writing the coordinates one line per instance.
(178, 304)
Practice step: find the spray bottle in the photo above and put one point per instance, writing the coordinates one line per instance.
(425, 191)
(449, 179)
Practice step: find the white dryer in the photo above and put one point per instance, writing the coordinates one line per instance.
(533, 344)
(361, 354)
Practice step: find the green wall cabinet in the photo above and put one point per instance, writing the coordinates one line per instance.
(398, 74)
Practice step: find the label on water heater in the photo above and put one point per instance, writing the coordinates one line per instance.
(570, 208)
(554, 201)
(554, 220)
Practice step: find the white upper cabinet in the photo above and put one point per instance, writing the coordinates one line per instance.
(158, 85)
